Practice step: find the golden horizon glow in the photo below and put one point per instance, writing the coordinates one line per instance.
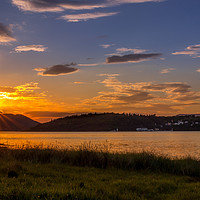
(140, 97)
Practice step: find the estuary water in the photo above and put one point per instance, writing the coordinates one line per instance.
(172, 144)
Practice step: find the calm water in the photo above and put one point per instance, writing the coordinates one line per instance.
(173, 144)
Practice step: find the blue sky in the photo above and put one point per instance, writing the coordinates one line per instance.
(75, 57)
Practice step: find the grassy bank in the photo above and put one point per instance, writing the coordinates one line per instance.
(88, 173)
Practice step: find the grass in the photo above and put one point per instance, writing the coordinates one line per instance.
(90, 173)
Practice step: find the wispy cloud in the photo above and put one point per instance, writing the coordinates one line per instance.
(131, 58)
(105, 46)
(193, 50)
(59, 6)
(174, 87)
(38, 48)
(90, 64)
(108, 75)
(125, 50)
(5, 34)
(167, 70)
(79, 82)
(86, 16)
(57, 70)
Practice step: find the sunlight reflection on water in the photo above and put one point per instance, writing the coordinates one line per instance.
(172, 144)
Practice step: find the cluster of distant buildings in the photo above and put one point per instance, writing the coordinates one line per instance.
(176, 122)
(181, 123)
(147, 129)
(184, 115)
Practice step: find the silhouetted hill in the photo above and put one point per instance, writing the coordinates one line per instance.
(112, 122)
(10, 122)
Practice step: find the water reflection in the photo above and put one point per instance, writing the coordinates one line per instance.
(173, 144)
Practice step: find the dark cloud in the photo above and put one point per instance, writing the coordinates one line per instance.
(175, 87)
(5, 34)
(137, 96)
(189, 97)
(131, 58)
(57, 70)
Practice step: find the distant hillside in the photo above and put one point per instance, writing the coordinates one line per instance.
(10, 122)
(121, 122)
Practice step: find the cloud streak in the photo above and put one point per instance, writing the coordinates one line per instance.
(125, 50)
(61, 5)
(166, 71)
(5, 34)
(38, 48)
(57, 70)
(90, 64)
(193, 50)
(87, 16)
(105, 46)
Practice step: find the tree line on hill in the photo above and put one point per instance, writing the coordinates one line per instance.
(103, 122)
(121, 122)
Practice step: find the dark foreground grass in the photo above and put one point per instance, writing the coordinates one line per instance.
(58, 181)
(91, 156)
(87, 173)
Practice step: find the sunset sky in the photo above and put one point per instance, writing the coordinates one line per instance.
(59, 57)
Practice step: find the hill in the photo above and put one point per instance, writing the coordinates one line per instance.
(10, 122)
(121, 122)
(94, 122)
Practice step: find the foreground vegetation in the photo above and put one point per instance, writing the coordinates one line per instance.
(88, 173)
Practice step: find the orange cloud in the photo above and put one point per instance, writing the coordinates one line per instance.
(38, 48)
(23, 98)
(142, 97)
